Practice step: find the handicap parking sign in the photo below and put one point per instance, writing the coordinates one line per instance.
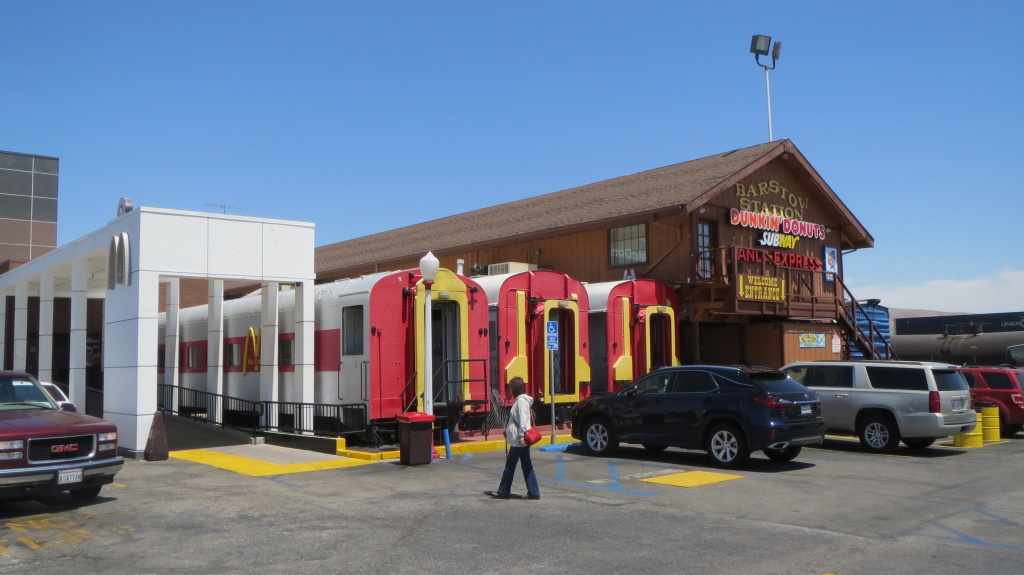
(552, 327)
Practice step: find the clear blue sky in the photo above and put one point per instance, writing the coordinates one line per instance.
(367, 116)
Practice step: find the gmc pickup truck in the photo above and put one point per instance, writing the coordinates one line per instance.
(46, 449)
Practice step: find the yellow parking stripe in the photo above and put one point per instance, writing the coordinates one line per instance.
(691, 478)
(257, 468)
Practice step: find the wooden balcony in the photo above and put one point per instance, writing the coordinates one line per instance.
(731, 284)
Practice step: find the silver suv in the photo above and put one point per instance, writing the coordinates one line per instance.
(882, 402)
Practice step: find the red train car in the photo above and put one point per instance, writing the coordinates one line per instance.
(633, 327)
(525, 309)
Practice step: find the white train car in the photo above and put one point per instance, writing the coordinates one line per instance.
(368, 355)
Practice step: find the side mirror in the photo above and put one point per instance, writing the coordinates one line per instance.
(68, 406)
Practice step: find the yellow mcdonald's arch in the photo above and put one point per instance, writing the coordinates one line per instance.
(251, 361)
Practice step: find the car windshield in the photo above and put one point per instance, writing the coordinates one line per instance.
(18, 392)
(949, 380)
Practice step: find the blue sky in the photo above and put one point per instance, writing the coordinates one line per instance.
(367, 116)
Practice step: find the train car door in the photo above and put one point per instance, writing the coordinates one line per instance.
(660, 338)
(446, 353)
(561, 370)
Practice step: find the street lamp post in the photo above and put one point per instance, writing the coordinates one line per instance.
(428, 270)
(759, 47)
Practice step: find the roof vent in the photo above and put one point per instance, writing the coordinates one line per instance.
(509, 268)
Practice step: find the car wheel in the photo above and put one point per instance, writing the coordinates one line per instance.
(87, 494)
(726, 445)
(1011, 429)
(598, 437)
(783, 455)
(654, 447)
(878, 433)
(919, 443)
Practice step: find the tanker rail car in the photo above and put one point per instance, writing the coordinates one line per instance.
(368, 355)
(526, 309)
(632, 331)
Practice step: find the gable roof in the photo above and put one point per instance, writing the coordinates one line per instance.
(681, 187)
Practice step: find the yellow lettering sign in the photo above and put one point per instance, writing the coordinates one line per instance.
(761, 288)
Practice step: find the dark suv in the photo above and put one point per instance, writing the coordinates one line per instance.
(1001, 386)
(46, 449)
(727, 411)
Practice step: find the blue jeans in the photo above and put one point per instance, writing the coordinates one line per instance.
(515, 455)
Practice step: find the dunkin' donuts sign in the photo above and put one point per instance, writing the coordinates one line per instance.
(776, 224)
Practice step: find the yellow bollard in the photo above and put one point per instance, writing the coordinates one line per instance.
(990, 423)
(972, 439)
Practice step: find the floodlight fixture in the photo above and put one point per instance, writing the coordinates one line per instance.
(759, 47)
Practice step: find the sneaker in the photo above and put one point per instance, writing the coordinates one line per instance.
(500, 495)
(532, 496)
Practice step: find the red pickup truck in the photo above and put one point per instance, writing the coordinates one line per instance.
(1001, 386)
(46, 449)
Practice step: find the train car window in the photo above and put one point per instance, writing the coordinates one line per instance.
(232, 355)
(195, 356)
(352, 330)
(286, 352)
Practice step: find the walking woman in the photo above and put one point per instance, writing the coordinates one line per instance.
(519, 420)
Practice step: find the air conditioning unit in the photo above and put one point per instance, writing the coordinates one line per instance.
(509, 268)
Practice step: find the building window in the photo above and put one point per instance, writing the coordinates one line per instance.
(352, 330)
(628, 246)
(705, 245)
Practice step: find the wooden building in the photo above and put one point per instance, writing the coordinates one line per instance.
(752, 240)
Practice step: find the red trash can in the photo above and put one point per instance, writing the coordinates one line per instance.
(415, 438)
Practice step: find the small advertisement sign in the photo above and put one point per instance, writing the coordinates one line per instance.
(812, 340)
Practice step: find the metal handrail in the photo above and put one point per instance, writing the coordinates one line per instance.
(222, 410)
(326, 419)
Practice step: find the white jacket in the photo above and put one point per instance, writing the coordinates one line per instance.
(521, 413)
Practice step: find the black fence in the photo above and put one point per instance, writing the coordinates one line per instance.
(253, 416)
(222, 410)
(315, 418)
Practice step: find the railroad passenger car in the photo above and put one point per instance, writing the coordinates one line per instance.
(633, 327)
(521, 306)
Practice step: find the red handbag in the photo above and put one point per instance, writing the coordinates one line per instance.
(531, 436)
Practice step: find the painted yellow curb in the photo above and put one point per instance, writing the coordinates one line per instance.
(255, 467)
(457, 448)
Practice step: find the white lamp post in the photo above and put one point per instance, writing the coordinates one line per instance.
(428, 270)
(759, 47)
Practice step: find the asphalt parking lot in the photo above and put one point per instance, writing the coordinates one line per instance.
(834, 510)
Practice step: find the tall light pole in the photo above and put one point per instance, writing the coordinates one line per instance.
(759, 47)
(428, 270)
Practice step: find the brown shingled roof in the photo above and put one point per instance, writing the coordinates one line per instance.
(679, 187)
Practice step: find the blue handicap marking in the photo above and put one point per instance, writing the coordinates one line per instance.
(552, 327)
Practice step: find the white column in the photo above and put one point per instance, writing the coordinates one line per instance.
(172, 336)
(131, 326)
(215, 342)
(46, 326)
(268, 343)
(21, 325)
(79, 325)
(304, 334)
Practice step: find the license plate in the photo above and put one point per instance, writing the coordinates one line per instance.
(806, 410)
(958, 403)
(65, 476)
